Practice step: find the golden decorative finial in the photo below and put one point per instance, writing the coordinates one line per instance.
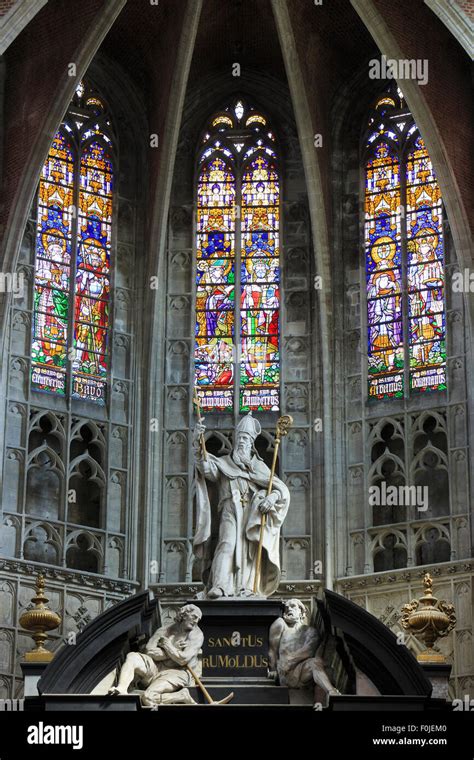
(39, 620)
(433, 620)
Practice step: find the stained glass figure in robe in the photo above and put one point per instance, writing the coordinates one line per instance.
(72, 265)
(406, 299)
(425, 274)
(260, 292)
(383, 266)
(250, 318)
(215, 279)
(91, 309)
(52, 269)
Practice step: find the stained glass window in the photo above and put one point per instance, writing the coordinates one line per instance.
(72, 285)
(425, 273)
(237, 360)
(404, 257)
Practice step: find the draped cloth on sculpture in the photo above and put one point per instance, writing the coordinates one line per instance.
(247, 519)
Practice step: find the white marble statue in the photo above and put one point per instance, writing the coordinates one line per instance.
(293, 647)
(161, 669)
(242, 480)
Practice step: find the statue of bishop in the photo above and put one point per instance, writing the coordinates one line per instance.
(228, 533)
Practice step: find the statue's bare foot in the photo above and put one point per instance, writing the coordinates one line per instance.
(114, 691)
(334, 693)
(215, 592)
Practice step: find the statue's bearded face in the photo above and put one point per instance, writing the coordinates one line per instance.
(242, 453)
(293, 613)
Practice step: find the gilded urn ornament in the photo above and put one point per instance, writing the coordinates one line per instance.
(428, 620)
(38, 621)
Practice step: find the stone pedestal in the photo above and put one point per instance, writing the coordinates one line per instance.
(236, 637)
(235, 651)
(32, 672)
(438, 673)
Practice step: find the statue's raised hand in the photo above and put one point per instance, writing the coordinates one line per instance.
(198, 433)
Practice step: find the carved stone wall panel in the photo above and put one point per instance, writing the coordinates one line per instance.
(179, 315)
(177, 362)
(298, 519)
(456, 379)
(18, 379)
(464, 648)
(177, 411)
(456, 332)
(463, 603)
(297, 558)
(177, 502)
(121, 356)
(25, 295)
(118, 447)
(124, 266)
(10, 534)
(116, 500)
(356, 497)
(179, 271)
(459, 481)
(297, 358)
(297, 314)
(354, 387)
(297, 399)
(16, 424)
(355, 444)
(296, 272)
(21, 333)
(297, 450)
(457, 426)
(14, 468)
(353, 341)
(177, 452)
(6, 651)
(123, 310)
(461, 538)
(7, 603)
(176, 562)
(120, 401)
(113, 557)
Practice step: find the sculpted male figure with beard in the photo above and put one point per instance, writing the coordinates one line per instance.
(293, 647)
(242, 480)
(161, 669)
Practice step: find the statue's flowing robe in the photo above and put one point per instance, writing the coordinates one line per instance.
(227, 474)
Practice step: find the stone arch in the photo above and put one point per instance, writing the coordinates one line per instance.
(84, 552)
(389, 550)
(87, 485)
(432, 544)
(45, 483)
(42, 543)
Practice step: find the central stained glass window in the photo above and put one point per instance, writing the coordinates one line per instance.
(237, 352)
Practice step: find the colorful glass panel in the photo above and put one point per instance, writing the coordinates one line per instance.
(237, 358)
(384, 275)
(52, 269)
(425, 274)
(92, 289)
(260, 290)
(73, 254)
(215, 280)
